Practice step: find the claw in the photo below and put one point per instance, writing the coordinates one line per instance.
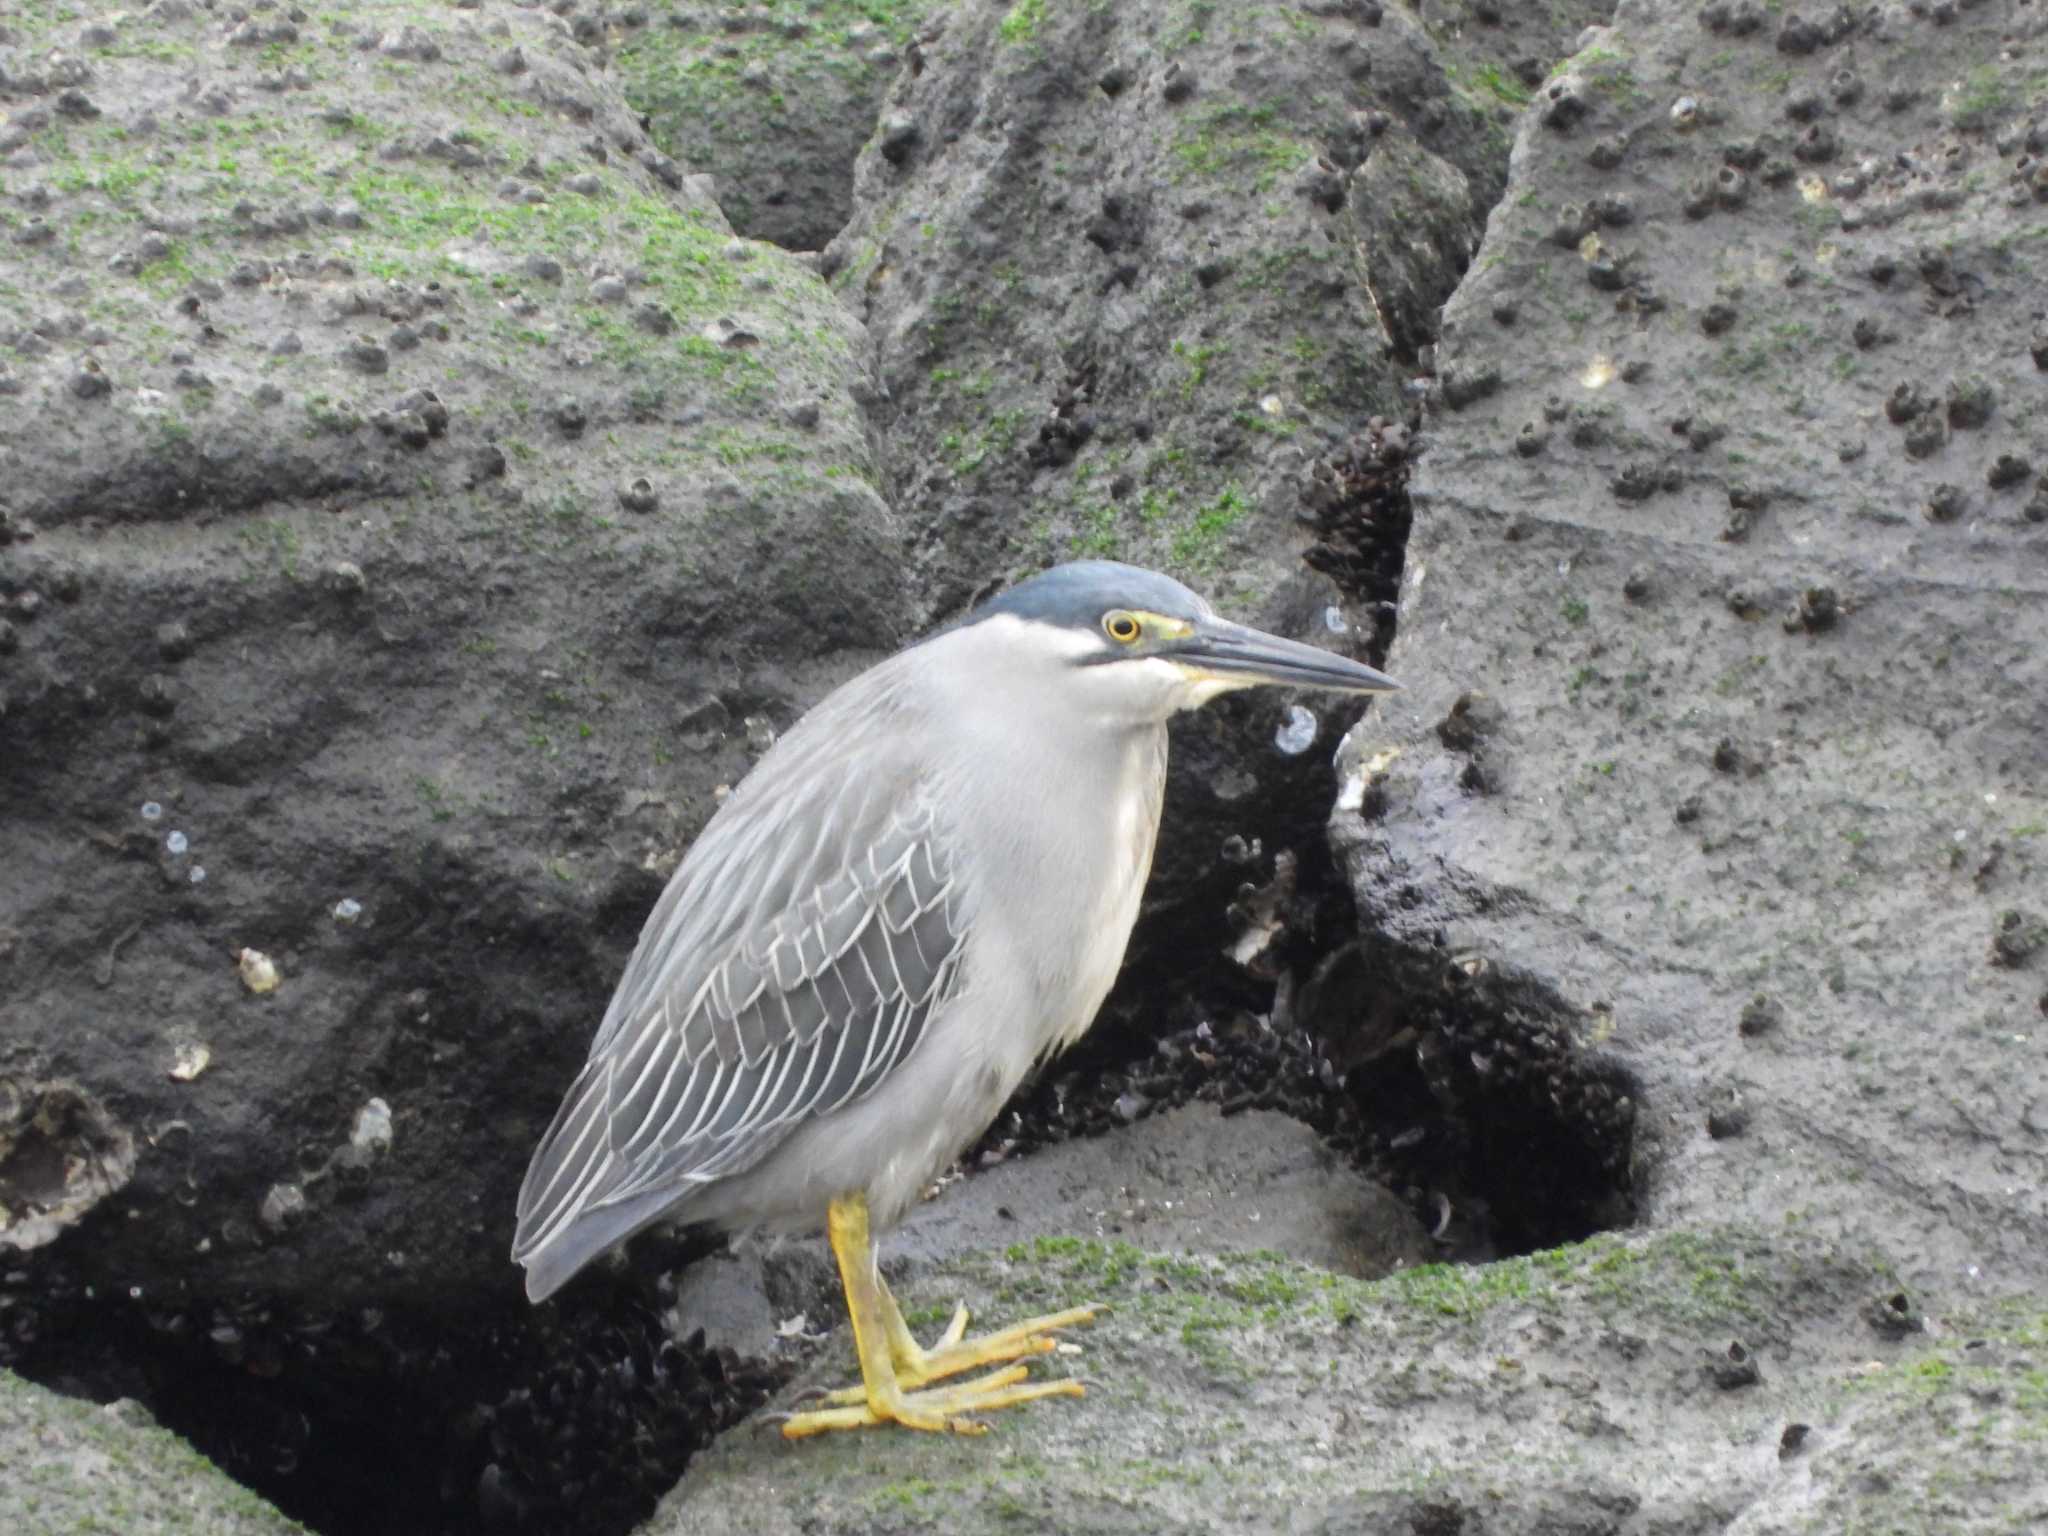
(956, 1330)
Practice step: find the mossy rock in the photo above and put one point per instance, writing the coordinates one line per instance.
(1222, 1389)
(78, 1469)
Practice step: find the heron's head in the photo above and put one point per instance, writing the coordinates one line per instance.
(1133, 644)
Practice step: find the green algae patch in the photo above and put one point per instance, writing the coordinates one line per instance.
(1022, 21)
(481, 211)
(1693, 1280)
(1241, 143)
(1971, 1392)
(1222, 1387)
(775, 101)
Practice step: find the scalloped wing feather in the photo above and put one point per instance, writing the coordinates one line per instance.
(791, 965)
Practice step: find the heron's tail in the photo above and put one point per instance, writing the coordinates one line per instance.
(577, 1199)
(552, 1262)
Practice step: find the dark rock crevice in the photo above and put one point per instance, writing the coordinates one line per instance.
(573, 1419)
(1474, 1092)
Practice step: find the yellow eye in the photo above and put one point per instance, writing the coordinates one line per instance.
(1122, 627)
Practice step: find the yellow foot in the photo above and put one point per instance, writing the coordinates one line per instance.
(951, 1354)
(947, 1410)
(893, 1364)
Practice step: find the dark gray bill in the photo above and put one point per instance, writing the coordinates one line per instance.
(1233, 651)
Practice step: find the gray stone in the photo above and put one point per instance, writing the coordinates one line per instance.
(368, 738)
(776, 116)
(1650, 925)
(76, 1466)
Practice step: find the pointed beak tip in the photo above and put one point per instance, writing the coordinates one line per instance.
(1380, 688)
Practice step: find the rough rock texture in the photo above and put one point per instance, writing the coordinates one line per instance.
(416, 503)
(1693, 1382)
(1724, 619)
(772, 100)
(1111, 268)
(74, 1468)
(1759, 765)
(1191, 1180)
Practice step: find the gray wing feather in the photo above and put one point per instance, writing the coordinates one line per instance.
(790, 966)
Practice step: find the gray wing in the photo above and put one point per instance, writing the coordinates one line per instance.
(790, 966)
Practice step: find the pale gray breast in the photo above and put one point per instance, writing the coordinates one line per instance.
(1060, 862)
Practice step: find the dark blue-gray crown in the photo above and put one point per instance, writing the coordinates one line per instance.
(1078, 594)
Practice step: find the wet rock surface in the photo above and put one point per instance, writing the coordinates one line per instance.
(1766, 778)
(1119, 282)
(395, 420)
(79, 1466)
(1118, 269)
(1192, 1180)
(348, 721)
(1730, 781)
(335, 652)
(1576, 1389)
(772, 100)
(417, 503)
(1805, 760)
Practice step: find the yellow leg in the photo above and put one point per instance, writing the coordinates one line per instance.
(892, 1362)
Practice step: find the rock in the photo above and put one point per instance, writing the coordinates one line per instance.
(638, 494)
(1415, 218)
(2015, 936)
(437, 710)
(778, 120)
(1970, 403)
(1571, 868)
(324, 735)
(1187, 1181)
(1220, 1389)
(73, 1462)
(898, 136)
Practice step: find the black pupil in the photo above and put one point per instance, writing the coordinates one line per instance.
(1124, 627)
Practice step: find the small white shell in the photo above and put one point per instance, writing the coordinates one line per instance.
(372, 1130)
(259, 972)
(189, 1059)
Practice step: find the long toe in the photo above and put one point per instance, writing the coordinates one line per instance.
(985, 1394)
(945, 1410)
(952, 1354)
(1030, 1337)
